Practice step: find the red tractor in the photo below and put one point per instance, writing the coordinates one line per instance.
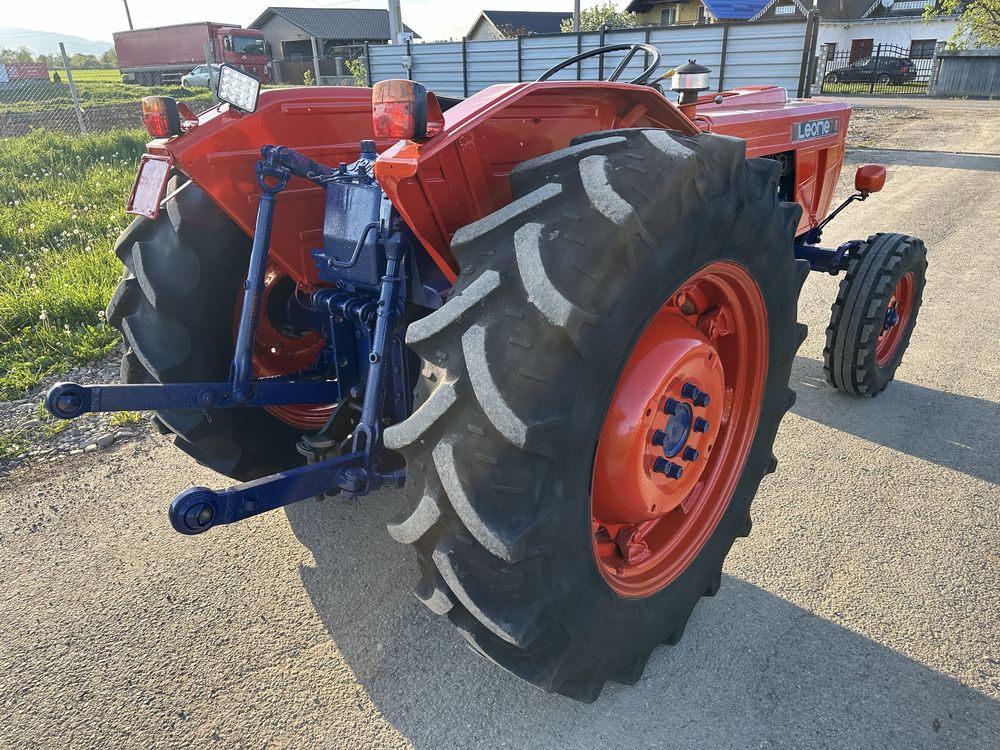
(561, 314)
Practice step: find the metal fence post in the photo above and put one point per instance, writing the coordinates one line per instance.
(520, 74)
(722, 57)
(465, 66)
(72, 90)
(210, 61)
(878, 56)
(600, 58)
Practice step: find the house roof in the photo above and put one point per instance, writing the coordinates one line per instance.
(831, 10)
(529, 21)
(723, 10)
(335, 23)
(734, 10)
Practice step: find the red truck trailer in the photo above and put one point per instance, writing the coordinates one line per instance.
(161, 55)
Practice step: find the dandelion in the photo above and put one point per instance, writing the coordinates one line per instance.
(43, 316)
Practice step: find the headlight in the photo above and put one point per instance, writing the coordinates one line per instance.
(238, 88)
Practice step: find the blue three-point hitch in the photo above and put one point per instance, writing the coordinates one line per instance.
(368, 296)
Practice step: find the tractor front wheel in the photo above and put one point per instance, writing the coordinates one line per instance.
(874, 314)
(599, 401)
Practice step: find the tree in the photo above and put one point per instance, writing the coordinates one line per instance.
(603, 14)
(110, 59)
(978, 23)
(79, 61)
(19, 55)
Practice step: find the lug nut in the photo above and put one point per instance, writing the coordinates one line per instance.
(690, 454)
(672, 470)
(701, 399)
(658, 437)
(701, 425)
(671, 406)
(690, 390)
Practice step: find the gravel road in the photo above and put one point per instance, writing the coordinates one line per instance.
(863, 611)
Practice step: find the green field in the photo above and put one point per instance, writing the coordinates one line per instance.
(61, 209)
(92, 76)
(39, 96)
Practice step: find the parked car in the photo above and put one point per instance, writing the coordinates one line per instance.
(884, 70)
(199, 78)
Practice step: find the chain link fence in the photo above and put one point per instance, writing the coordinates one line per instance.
(36, 97)
(340, 66)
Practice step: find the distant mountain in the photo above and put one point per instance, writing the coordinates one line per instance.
(47, 42)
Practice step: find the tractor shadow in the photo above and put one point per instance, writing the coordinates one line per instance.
(952, 431)
(752, 670)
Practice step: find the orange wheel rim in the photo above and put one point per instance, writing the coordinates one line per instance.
(678, 430)
(275, 353)
(896, 320)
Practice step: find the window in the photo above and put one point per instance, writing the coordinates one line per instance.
(922, 48)
(831, 50)
(784, 10)
(702, 17)
(861, 48)
(668, 16)
(908, 5)
(248, 45)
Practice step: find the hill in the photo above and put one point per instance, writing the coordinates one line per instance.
(47, 42)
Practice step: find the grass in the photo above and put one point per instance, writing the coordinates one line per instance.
(92, 76)
(61, 208)
(41, 96)
(911, 87)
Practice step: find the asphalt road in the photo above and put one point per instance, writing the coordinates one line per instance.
(863, 611)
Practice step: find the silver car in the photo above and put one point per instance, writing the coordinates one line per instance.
(199, 78)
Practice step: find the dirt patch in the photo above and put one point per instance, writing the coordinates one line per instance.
(29, 435)
(925, 129)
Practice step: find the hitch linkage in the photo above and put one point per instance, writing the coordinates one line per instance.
(353, 474)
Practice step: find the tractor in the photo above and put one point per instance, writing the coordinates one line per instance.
(560, 314)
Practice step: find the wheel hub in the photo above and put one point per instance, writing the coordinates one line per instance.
(677, 429)
(897, 315)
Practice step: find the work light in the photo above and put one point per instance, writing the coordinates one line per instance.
(238, 88)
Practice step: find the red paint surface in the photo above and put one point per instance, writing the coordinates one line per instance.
(462, 174)
(763, 118)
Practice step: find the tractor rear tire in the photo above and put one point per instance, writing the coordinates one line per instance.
(174, 307)
(861, 355)
(520, 366)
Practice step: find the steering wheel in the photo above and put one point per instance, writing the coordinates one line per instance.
(632, 50)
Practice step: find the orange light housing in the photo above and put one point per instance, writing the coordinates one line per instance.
(404, 109)
(870, 178)
(161, 117)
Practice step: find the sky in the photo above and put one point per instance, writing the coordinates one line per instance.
(97, 19)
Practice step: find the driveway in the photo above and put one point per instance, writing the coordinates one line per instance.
(863, 611)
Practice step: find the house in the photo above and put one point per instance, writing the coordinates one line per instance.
(676, 12)
(305, 32)
(850, 30)
(507, 24)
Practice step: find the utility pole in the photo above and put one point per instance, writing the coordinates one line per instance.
(128, 15)
(576, 16)
(395, 22)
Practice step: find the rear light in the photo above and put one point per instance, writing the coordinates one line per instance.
(405, 109)
(161, 116)
(904, 69)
